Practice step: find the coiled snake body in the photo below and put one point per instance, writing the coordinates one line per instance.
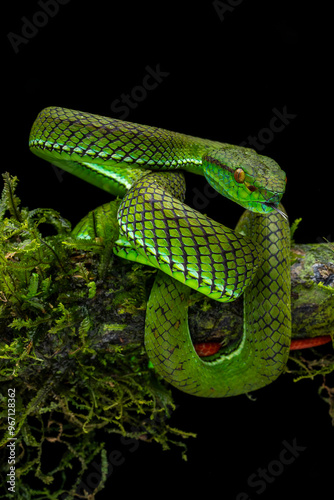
(191, 251)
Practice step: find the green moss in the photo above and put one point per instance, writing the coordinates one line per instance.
(65, 304)
(73, 387)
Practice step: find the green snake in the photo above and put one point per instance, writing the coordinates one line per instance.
(144, 165)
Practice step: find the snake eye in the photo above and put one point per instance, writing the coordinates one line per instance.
(239, 175)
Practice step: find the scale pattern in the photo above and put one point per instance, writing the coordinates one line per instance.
(80, 136)
(189, 249)
(182, 242)
(267, 300)
(262, 354)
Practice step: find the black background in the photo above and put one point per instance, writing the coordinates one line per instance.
(226, 75)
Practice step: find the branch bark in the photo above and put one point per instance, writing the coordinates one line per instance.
(312, 304)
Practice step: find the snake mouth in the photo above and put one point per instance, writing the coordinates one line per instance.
(274, 207)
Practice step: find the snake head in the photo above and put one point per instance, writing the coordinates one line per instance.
(255, 182)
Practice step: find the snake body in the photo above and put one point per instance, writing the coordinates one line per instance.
(144, 165)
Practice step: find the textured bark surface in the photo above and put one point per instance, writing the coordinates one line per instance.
(312, 303)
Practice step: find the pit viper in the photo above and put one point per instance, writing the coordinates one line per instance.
(144, 165)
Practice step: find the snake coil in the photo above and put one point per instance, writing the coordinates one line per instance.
(190, 251)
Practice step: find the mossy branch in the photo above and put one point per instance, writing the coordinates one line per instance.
(71, 342)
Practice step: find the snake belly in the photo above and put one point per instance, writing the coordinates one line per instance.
(191, 251)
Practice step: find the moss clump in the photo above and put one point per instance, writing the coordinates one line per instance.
(71, 345)
(62, 301)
